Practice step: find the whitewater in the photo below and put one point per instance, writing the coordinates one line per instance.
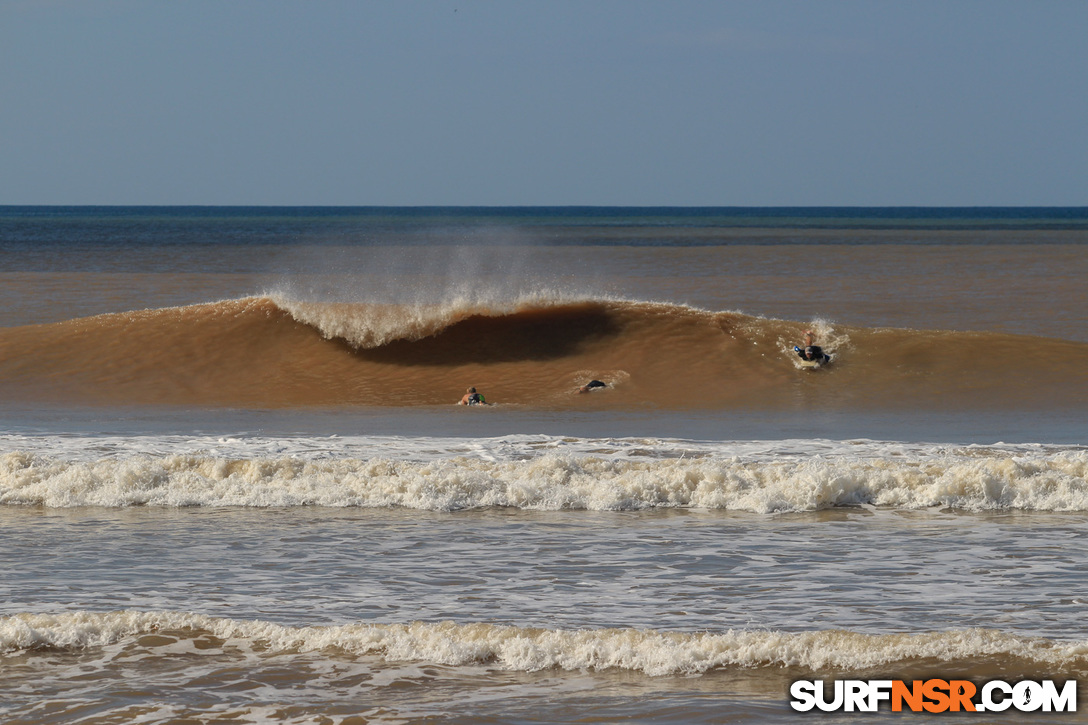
(539, 473)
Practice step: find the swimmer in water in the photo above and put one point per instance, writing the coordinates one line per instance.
(591, 386)
(471, 397)
(811, 351)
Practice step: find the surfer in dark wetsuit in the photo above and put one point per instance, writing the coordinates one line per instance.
(592, 385)
(471, 397)
(812, 352)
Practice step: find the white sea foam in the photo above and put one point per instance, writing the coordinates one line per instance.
(530, 649)
(538, 472)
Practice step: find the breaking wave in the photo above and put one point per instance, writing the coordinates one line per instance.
(534, 350)
(530, 649)
(969, 479)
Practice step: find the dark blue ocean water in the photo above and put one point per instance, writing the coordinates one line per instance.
(223, 239)
(269, 225)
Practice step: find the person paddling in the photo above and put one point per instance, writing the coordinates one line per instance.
(471, 397)
(812, 351)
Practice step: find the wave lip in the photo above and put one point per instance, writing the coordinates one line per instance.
(527, 649)
(373, 324)
(970, 480)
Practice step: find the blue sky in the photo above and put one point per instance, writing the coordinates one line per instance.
(466, 102)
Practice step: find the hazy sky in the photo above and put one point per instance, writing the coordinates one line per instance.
(451, 102)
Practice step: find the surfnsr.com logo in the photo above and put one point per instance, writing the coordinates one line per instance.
(934, 696)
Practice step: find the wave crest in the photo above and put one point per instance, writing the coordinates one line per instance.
(371, 325)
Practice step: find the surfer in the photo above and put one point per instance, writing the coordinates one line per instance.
(471, 397)
(811, 351)
(592, 385)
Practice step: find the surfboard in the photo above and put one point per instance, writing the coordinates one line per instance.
(814, 364)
